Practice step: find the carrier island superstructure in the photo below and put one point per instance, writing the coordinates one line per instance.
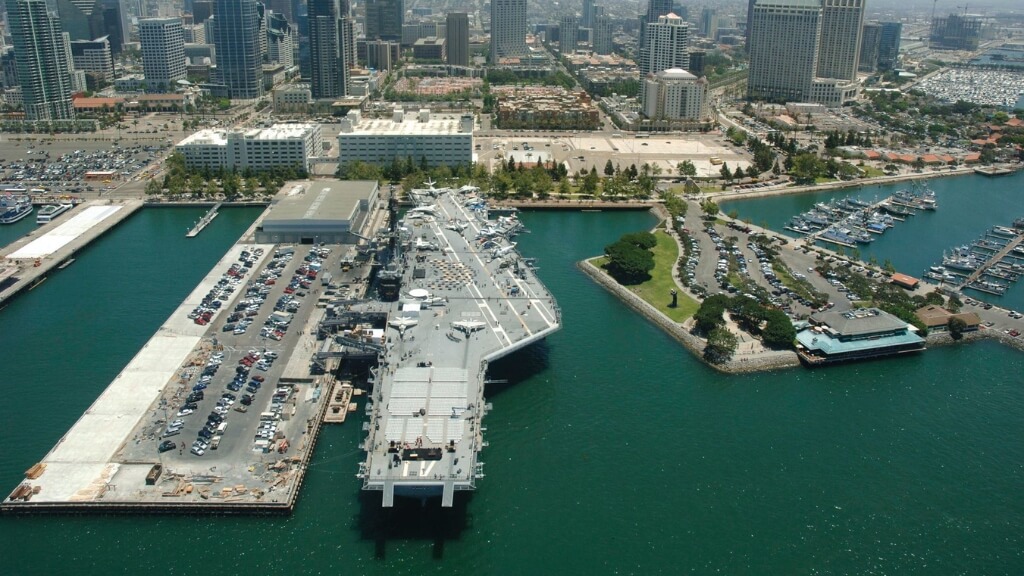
(456, 296)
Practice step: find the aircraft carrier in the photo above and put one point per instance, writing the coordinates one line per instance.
(453, 296)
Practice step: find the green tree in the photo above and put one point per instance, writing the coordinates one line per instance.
(710, 208)
(628, 263)
(686, 168)
(721, 346)
(709, 314)
(609, 168)
(956, 327)
(954, 305)
(778, 330)
(725, 171)
(153, 188)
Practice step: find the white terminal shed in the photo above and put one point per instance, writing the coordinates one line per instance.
(313, 211)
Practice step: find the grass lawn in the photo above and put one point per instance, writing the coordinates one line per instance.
(656, 290)
(872, 172)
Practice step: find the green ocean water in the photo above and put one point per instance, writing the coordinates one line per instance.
(612, 451)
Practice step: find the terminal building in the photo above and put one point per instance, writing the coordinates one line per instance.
(860, 334)
(280, 146)
(445, 139)
(313, 211)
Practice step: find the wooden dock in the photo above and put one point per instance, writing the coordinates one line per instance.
(21, 268)
(972, 280)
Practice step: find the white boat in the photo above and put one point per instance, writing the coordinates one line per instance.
(15, 211)
(49, 212)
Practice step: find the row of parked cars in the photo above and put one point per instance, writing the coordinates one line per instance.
(225, 287)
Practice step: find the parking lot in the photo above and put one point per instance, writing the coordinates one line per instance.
(229, 408)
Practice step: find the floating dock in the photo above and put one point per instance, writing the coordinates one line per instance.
(27, 262)
(204, 221)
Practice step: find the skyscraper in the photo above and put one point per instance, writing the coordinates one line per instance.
(384, 19)
(163, 52)
(708, 22)
(784, 39)
(655, 9)
(280, 45)
(457, 30)
(42, 60)
(889, 45)
(92, 19)
(94, 58)
(568, 34)
(842, 23)
(870, 38)
(587, 20)
(602, 32)
(508, 29)
(328, 63)
(667, 45)
(238, 48)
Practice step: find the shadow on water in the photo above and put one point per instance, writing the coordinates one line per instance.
(413, 519)
(520, 366)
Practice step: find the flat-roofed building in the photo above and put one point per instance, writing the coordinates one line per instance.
(855, 335)
(432, 48)
(311, 211)
(280, 146)
(445, 139)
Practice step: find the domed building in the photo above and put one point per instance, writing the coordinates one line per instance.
(675, 95)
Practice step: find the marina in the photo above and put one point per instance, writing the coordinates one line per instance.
(988, 265)
(851, 222)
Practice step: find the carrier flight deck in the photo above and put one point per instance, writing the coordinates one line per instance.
(457, 296)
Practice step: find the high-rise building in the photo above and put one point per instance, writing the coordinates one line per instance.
(91, 19)
(655, 10)
(784, 40)
(602, 32)
(955, 32)
(163, 52)
(869, 43)
(236, 38)
(457, 33)
(508, 29)
(201, 10)
(384, 19)
(889, 45)
(675, 94)
(379, 54)
(708, 22)
(568, 34)
(328, 65)
(42, 60)
(280, 40)
(697, 59)
(842, 22)
(750, 18)
(262, 38)
(587, 19)
(667, 45)
(95, 59)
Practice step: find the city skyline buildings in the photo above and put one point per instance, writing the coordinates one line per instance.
(457, 33)
(328, 54)
(384, 20)
(508, 29)
(842, 25)
(162, 41)
(42, 60)
(667, 45)
(239, 64)
(784, 40)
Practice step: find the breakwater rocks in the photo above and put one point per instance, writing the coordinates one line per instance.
(756, 362)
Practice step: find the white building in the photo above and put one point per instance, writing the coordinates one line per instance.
(675, 94)
(163, 52)
(280, 146)
(667, 45)
(293, 98)
(440, 139)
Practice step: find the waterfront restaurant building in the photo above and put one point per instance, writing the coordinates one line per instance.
(855, 335)
(314, 211)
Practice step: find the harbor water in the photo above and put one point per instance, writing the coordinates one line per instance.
(612, 450)
(967, 207)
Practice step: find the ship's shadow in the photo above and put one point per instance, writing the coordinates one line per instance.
(413, 519)
(516, 368)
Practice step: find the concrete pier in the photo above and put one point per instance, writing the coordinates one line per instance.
(25, 263)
